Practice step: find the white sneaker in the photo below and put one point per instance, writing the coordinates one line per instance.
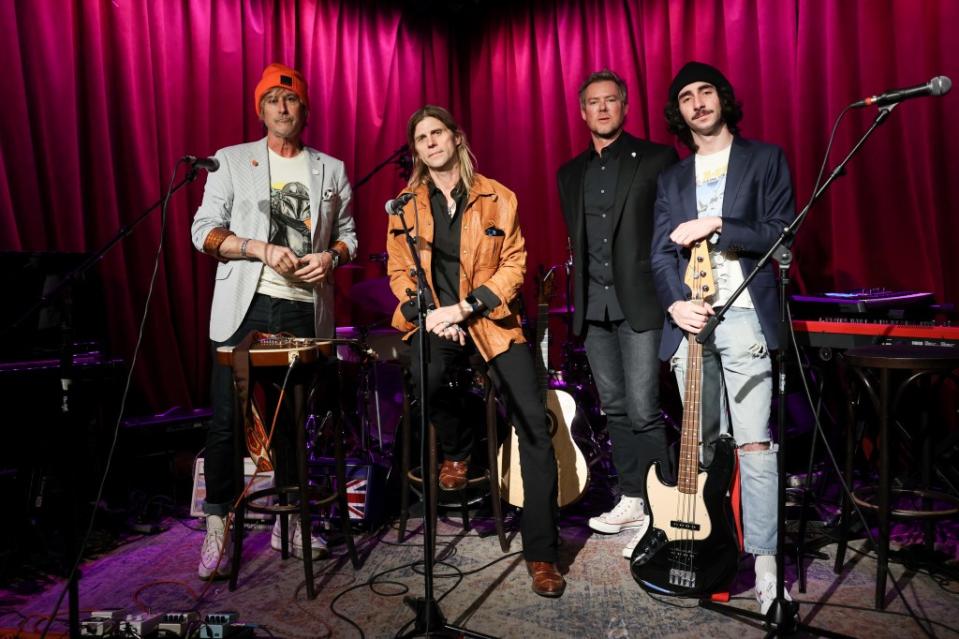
(215, 556)
(317, 543)
(628, 513)
(766, 592)
(634, 541)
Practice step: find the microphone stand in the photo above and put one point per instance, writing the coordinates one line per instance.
(783, 616)
(395, 156)
(429, 621)
(67, 372)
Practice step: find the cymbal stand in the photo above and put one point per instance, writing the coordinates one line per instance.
(367, 390)
(569, 347)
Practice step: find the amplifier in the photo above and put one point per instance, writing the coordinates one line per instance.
(365, 488)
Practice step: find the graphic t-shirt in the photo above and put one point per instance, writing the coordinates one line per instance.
(289, 222)
(710, 190)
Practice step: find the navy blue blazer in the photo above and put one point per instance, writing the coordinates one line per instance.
(757, 204)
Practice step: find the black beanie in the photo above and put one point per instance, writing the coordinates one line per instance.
(697, 72)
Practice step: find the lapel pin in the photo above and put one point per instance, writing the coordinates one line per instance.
(633, 153)
(254, 163)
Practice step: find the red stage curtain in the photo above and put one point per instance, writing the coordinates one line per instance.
(101, 97)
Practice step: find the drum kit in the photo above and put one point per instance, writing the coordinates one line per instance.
(373, 358)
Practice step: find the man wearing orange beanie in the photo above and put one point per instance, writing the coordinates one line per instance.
(276, 215)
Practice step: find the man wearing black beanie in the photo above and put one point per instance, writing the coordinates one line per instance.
(736, 195)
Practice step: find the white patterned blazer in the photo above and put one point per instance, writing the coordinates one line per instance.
(237, 197)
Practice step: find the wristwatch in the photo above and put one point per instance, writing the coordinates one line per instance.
(335, 255)
(476, 306)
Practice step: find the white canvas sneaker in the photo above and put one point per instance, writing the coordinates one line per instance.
(766, 592)
(628, 513)
(317, 543)
(215, 556)
(634, 541)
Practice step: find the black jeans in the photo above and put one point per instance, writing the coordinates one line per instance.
(625, 366)
(515, 379)
(223, 457)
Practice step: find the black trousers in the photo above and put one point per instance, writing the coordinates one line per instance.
(514, 377)
(224, 452)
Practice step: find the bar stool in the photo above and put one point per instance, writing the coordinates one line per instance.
(924, 366)
(487, 479)
(271, 360)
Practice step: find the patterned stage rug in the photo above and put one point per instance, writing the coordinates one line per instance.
(479, 587)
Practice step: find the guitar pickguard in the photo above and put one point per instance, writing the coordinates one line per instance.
(683, 516)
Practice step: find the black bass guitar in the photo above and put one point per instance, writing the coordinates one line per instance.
(690, 548)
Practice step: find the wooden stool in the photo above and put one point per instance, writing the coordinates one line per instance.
(924, 363)
(296, 356)
(488, 478)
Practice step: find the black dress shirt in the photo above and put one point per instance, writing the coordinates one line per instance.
(446, 253)
(599, 195)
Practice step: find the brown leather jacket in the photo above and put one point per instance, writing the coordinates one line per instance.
(496, 260)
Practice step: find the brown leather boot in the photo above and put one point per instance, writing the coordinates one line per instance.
(547, 582)
(453, 474)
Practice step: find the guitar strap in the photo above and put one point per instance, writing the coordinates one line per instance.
(735, 495)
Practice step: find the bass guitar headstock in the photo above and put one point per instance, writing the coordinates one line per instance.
(699, 273)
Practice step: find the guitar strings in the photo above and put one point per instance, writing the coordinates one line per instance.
(690, 446)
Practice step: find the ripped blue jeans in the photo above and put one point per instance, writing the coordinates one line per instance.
(739, 344)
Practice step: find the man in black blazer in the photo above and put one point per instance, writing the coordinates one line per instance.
(736, 195)
(607, 194)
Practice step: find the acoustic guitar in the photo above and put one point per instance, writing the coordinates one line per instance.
(572, 469)
(690, 548)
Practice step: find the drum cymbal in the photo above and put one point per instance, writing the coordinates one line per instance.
(374, 295)
(385, 341)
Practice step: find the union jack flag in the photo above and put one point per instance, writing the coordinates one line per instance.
(356, 498)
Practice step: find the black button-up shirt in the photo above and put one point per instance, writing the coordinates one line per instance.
(446, 244)
(446, 253)
(599, 195)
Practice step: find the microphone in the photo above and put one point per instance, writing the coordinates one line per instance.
(395, 207)
(939, 85)
(210, 164)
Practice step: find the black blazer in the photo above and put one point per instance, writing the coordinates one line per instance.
(757, 205)
(639, 167)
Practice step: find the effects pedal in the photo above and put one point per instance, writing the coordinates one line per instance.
(102, 623)
(179, 623)
(141, 624)
(218, 625)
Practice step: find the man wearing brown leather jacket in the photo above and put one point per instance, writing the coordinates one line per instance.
(474, 258)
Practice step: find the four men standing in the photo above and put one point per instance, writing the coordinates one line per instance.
(277, 217)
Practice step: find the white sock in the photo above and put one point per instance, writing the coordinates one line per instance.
(765, 564)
